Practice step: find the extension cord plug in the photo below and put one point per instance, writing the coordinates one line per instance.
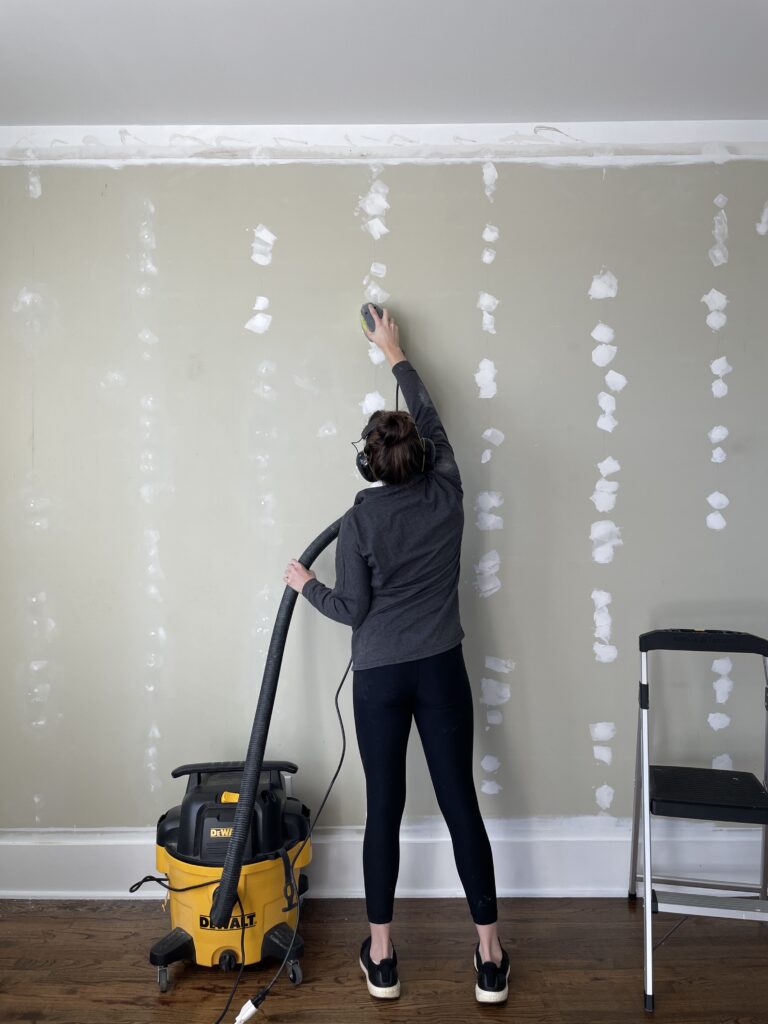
(247, 1011)
(251, 1008)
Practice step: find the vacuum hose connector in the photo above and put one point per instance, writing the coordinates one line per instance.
(226, 893)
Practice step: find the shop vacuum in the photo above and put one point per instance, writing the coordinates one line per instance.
(230, 855)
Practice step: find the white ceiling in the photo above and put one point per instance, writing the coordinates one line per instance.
(380, 61)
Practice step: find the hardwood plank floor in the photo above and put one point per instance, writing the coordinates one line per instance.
(573, 962)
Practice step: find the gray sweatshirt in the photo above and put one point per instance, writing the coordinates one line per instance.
(397, 554)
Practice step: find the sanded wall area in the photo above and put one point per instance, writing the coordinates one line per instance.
(182, 371)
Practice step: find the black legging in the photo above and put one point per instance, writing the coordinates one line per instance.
(436, 692)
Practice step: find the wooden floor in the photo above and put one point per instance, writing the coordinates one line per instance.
(573, 961)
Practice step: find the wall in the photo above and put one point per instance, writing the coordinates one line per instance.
(157, 483)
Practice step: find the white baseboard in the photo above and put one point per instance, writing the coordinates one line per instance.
(579, 856)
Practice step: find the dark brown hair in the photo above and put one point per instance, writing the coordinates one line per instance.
(393, 447)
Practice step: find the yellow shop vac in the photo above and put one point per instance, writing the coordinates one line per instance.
(230, 854)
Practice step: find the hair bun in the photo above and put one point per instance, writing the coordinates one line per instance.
(395, 427)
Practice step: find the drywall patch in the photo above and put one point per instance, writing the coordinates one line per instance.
(604, 796)
(485, 378)
(485, 519)
(503, 665)
(494, 692)
(260, 323)
(487, 303)
(718, 254)
(262, 245)
(717, 721)
(373, 402)
(604, 285)
(487, 581)
(490, 177)
(715, 302)
(34, 185)
(724, 762)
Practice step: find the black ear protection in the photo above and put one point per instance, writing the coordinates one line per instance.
(363, 463)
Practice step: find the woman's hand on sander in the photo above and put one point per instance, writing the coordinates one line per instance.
(296, 575)
(386, 334)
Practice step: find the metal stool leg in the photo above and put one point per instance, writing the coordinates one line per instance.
(647, 866)
(764, 846)
(632, 887)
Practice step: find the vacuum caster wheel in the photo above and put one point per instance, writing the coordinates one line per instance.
(228, 961)
(295, 975)
(162, 978)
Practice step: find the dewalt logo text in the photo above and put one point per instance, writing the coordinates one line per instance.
(221, 833)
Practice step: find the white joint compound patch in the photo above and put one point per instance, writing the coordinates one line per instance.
(374, 292)
(490, 787)
(490, 763)
(607, 421)
(717, 721)
(615, 381)
(604, 285)
(604, 495)
(718, 434)
(493, 435)
(487, 581)
(259, 324)
(718, 254)
(723, 761)
(605, 535)
(373, 402)
(375, 354)
(604, 796)
(488, 303)
(261, 247)
(494, 717)
(484, 502)
(608, 466)
(485, 378)
(601, 732)
(491, 232)
(604, 754)
(499, 664)
(34, 185)
(602, 355)
(603, 334)
(490, 177)
(493, 692)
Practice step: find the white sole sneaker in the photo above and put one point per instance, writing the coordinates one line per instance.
(377, 991)
(483, 996)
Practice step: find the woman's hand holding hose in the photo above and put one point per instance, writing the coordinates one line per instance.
(296, 575)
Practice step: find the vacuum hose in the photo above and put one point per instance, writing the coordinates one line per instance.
(226, 893)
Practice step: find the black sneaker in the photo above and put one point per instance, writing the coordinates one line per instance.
(491, 985)
(381, 978)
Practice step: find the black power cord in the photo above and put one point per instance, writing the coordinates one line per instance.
(256, 1000)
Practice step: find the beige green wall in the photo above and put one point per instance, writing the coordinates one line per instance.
(242, 481)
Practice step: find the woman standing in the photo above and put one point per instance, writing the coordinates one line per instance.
(397, 576)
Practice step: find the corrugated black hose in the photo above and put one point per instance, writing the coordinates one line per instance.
(226, 894)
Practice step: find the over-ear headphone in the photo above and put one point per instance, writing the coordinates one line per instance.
(363, 463)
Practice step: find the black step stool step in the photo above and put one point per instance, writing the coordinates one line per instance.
(710, 794)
